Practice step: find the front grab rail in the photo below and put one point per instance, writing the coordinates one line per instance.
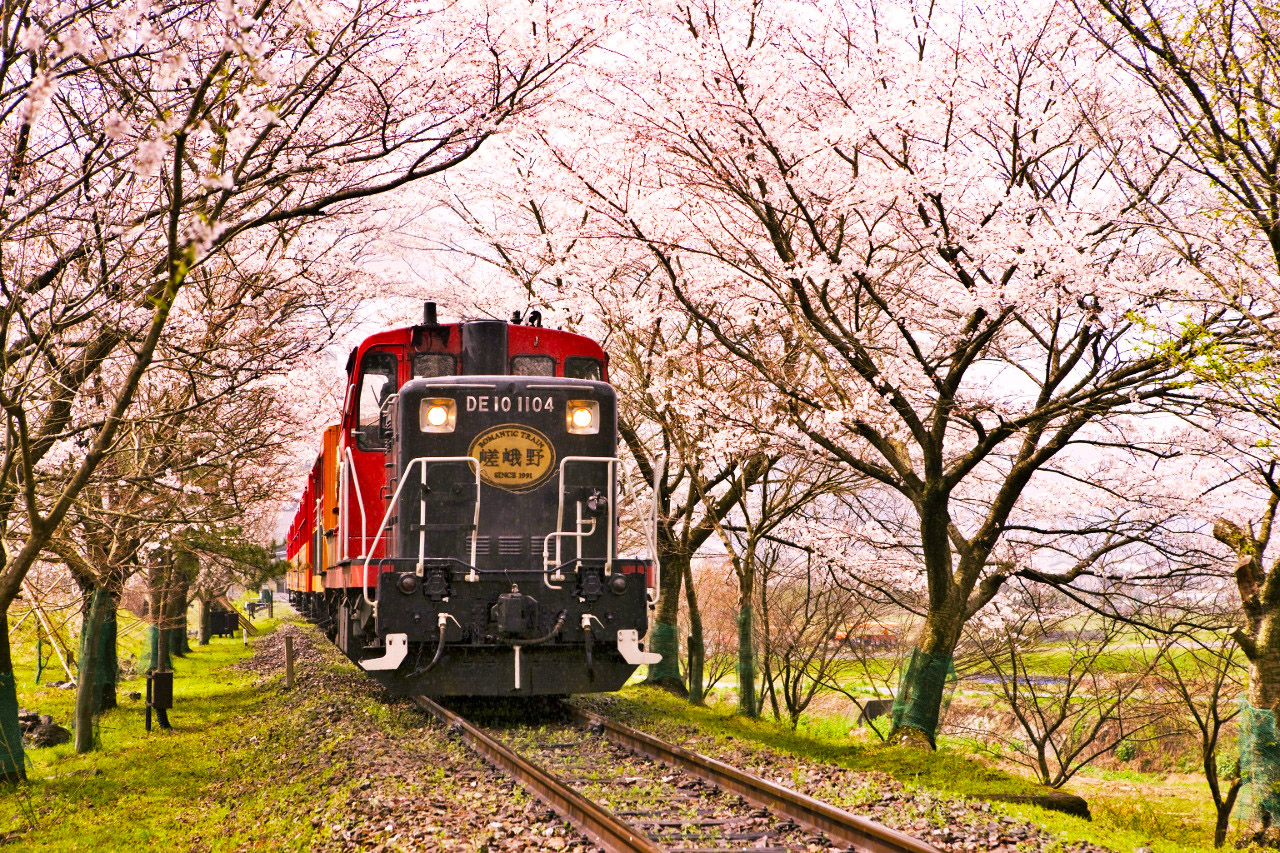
(391, 506)
(611, 463)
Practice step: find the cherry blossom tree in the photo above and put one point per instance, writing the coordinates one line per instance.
(208, 438)
(750, 537)
(142, 142)
(1214, 70)
(1205, 680)
(917, 237)
(801, 611)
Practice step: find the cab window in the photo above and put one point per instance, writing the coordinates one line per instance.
(429, 364)
(533, 365)
(578, 367)
(377, 383)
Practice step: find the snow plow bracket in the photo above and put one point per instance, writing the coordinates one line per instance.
(629, 648)
(397, 646)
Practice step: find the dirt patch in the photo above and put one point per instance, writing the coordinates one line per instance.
(374, 774)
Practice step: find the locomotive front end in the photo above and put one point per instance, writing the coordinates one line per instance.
(501, 573)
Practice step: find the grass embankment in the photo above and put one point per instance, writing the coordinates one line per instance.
(1130, 810)
(227, 777)
(214, 782)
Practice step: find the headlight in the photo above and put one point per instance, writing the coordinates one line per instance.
(583, 417)
(437, 415)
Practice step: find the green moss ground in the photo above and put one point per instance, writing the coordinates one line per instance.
(222, 780)
(215, 782)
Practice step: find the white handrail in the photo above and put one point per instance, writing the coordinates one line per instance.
(404, 478)
(349, 465)
(317, 563)
(611, 463)
(546, 557)
(342, 511)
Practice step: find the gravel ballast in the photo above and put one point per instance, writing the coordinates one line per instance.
(951, 825)
(380, 776)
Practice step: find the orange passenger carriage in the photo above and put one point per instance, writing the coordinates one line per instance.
(458, 531)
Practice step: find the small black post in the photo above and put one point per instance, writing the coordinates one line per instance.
(159, 696)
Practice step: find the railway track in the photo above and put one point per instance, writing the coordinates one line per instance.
(630, 792)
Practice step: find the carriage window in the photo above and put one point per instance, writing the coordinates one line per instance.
(429, 364)
(377, 382)
(583, 368)
(533, 365)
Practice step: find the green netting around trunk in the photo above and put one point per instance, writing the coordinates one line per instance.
(664, 640)
(924, 692)
(746, 663)
(1259, 763)
(104, 670)
(150, 649)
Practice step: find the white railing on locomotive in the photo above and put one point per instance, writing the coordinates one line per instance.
(348, 467)
(474, 463)
(551, 568)
(317, 535)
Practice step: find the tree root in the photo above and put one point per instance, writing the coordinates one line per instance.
(909, 737)
(671, 685)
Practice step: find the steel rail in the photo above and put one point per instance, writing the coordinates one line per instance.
(835, 823)
(596, 822)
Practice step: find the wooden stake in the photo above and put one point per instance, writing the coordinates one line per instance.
(288, 661)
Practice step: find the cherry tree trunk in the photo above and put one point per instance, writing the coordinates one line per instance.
(1264, 667)
(206, 623)
(1222, 804)
(109, 659)
(748, 704)
(1259, 751)
(90, 675)
(663, 636)
(12, 758)
(151, 649)
(179, 643)
(922, 688)
(164, 656)
(103, 635)
(697, 649)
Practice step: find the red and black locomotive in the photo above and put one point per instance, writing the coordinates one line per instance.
(458, 532)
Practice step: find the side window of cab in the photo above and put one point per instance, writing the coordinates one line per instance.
(533, 365)
(580, 367)
(377, 383)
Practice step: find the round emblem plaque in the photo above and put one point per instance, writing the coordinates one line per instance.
(513, 457)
